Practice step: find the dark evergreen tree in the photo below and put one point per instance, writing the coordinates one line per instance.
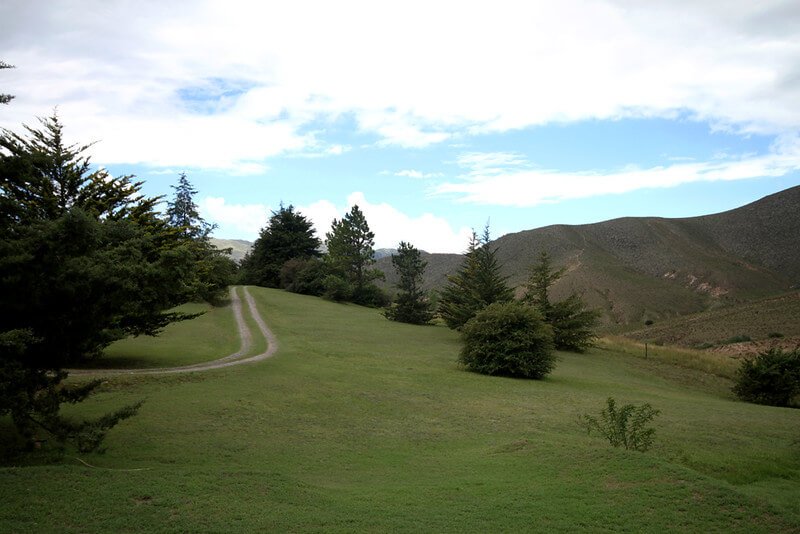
(214, 269)
(477, 284)
(508, 338)
(84, 260)
(350, 254)
(289, 235)
(411, 304)
(4, 98)
(573, 324)
(182, 212)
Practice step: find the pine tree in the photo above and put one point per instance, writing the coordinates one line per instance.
(541, 277)
(86, 260)
(4, 98)
(214, 269)
(350, 254)
(182, 212)
(411, 304)
(573, 324)
(43, 178)
(477, 283)
(289, 235)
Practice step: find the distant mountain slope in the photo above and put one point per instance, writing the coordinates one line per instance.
(239, 247)
(649, 268)
(777, 316)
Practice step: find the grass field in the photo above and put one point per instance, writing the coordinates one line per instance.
(208, 337)
(359, 424)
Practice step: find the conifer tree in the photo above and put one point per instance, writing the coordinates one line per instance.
(289, 235)
(214, 269)
(411, 304)
(573, 324)
(350, 254)
(86, 260)
(475, 285)
(182, 212)
(4, 98)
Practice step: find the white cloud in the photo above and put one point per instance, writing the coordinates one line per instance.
(321, 214)
(411, 173)
(509, 180)
(236, 221)
(265, 71)
(426, 232)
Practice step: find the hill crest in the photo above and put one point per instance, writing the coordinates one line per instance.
(639, 268)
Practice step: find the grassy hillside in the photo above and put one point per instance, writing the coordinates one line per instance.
(757, 320)
(634, 269)
(360, 424)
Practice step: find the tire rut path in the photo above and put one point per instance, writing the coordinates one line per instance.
(237, 358)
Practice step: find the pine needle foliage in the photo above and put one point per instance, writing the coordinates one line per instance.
(411, 304)
(477, 283)
(508, 339)
(573, 324)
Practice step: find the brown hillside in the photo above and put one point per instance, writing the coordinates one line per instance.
(652, 268)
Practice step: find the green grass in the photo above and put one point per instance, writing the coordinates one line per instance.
(359, 424)
(208, 337)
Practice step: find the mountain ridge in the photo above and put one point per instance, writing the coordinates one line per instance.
(639, 268)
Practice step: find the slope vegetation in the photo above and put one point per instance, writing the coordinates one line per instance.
(359, 424)
(635, 269)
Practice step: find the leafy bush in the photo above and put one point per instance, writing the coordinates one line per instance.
(508, 339)
(304, 276)
(772, 377)
(775, 335)
(623, 427)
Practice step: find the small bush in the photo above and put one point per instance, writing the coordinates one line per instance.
(623, 427)
(508, 339)
(304, 276)
(772, 377)
(704, 345)
(775, 335)
(648, 322)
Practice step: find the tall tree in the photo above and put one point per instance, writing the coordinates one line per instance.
(84, 260)
(573, 324)
(350, 254)
(541, 276)
(289, 235)
(43, 178)
(4, 98)
(182, 212)
(411, 304)
(476, 284)
(214, 267)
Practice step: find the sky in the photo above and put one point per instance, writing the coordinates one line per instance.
(435, 118)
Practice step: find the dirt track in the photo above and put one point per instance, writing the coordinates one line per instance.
(237, 358)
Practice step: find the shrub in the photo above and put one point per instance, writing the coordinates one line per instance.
(508, 339)
(304, 276)
(775, 335)
(623, 427)
(772, 377)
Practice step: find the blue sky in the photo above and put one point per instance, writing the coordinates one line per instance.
(434, 117)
